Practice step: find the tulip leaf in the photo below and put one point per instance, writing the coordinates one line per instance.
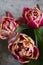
(38, 6)
(35, 38)
(41, 46)
(39, 35)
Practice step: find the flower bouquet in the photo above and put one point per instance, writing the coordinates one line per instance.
(24, 35)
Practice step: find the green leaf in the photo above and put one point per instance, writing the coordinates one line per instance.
(38, 6)
(41, 31)
(39, 35)
(36, 40)
(41, 46)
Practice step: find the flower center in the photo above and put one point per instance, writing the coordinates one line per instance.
(32, 14)
(35, 15)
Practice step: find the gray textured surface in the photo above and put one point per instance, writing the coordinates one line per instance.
(16, 7)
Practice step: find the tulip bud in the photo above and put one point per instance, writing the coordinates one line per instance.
(23, 48)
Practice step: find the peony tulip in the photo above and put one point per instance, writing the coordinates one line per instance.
(8, 26)
(33, 17)
(23, 48)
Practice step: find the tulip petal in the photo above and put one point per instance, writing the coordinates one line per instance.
(24, 11)
(8, 14)
(35, 53)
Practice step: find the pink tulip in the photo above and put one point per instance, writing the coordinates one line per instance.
(8, 26)
(33, 17)
(23, 48)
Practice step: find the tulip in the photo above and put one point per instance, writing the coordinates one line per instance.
(23, 48)
(33, 17)
(8, 26)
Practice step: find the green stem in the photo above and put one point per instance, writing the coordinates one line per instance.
(37, 36)
(36, 40)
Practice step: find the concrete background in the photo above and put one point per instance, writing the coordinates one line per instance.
(15, 7)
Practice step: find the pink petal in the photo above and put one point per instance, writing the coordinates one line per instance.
(8, 14)
(41, 21)
(36, 52)
(24, 11)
